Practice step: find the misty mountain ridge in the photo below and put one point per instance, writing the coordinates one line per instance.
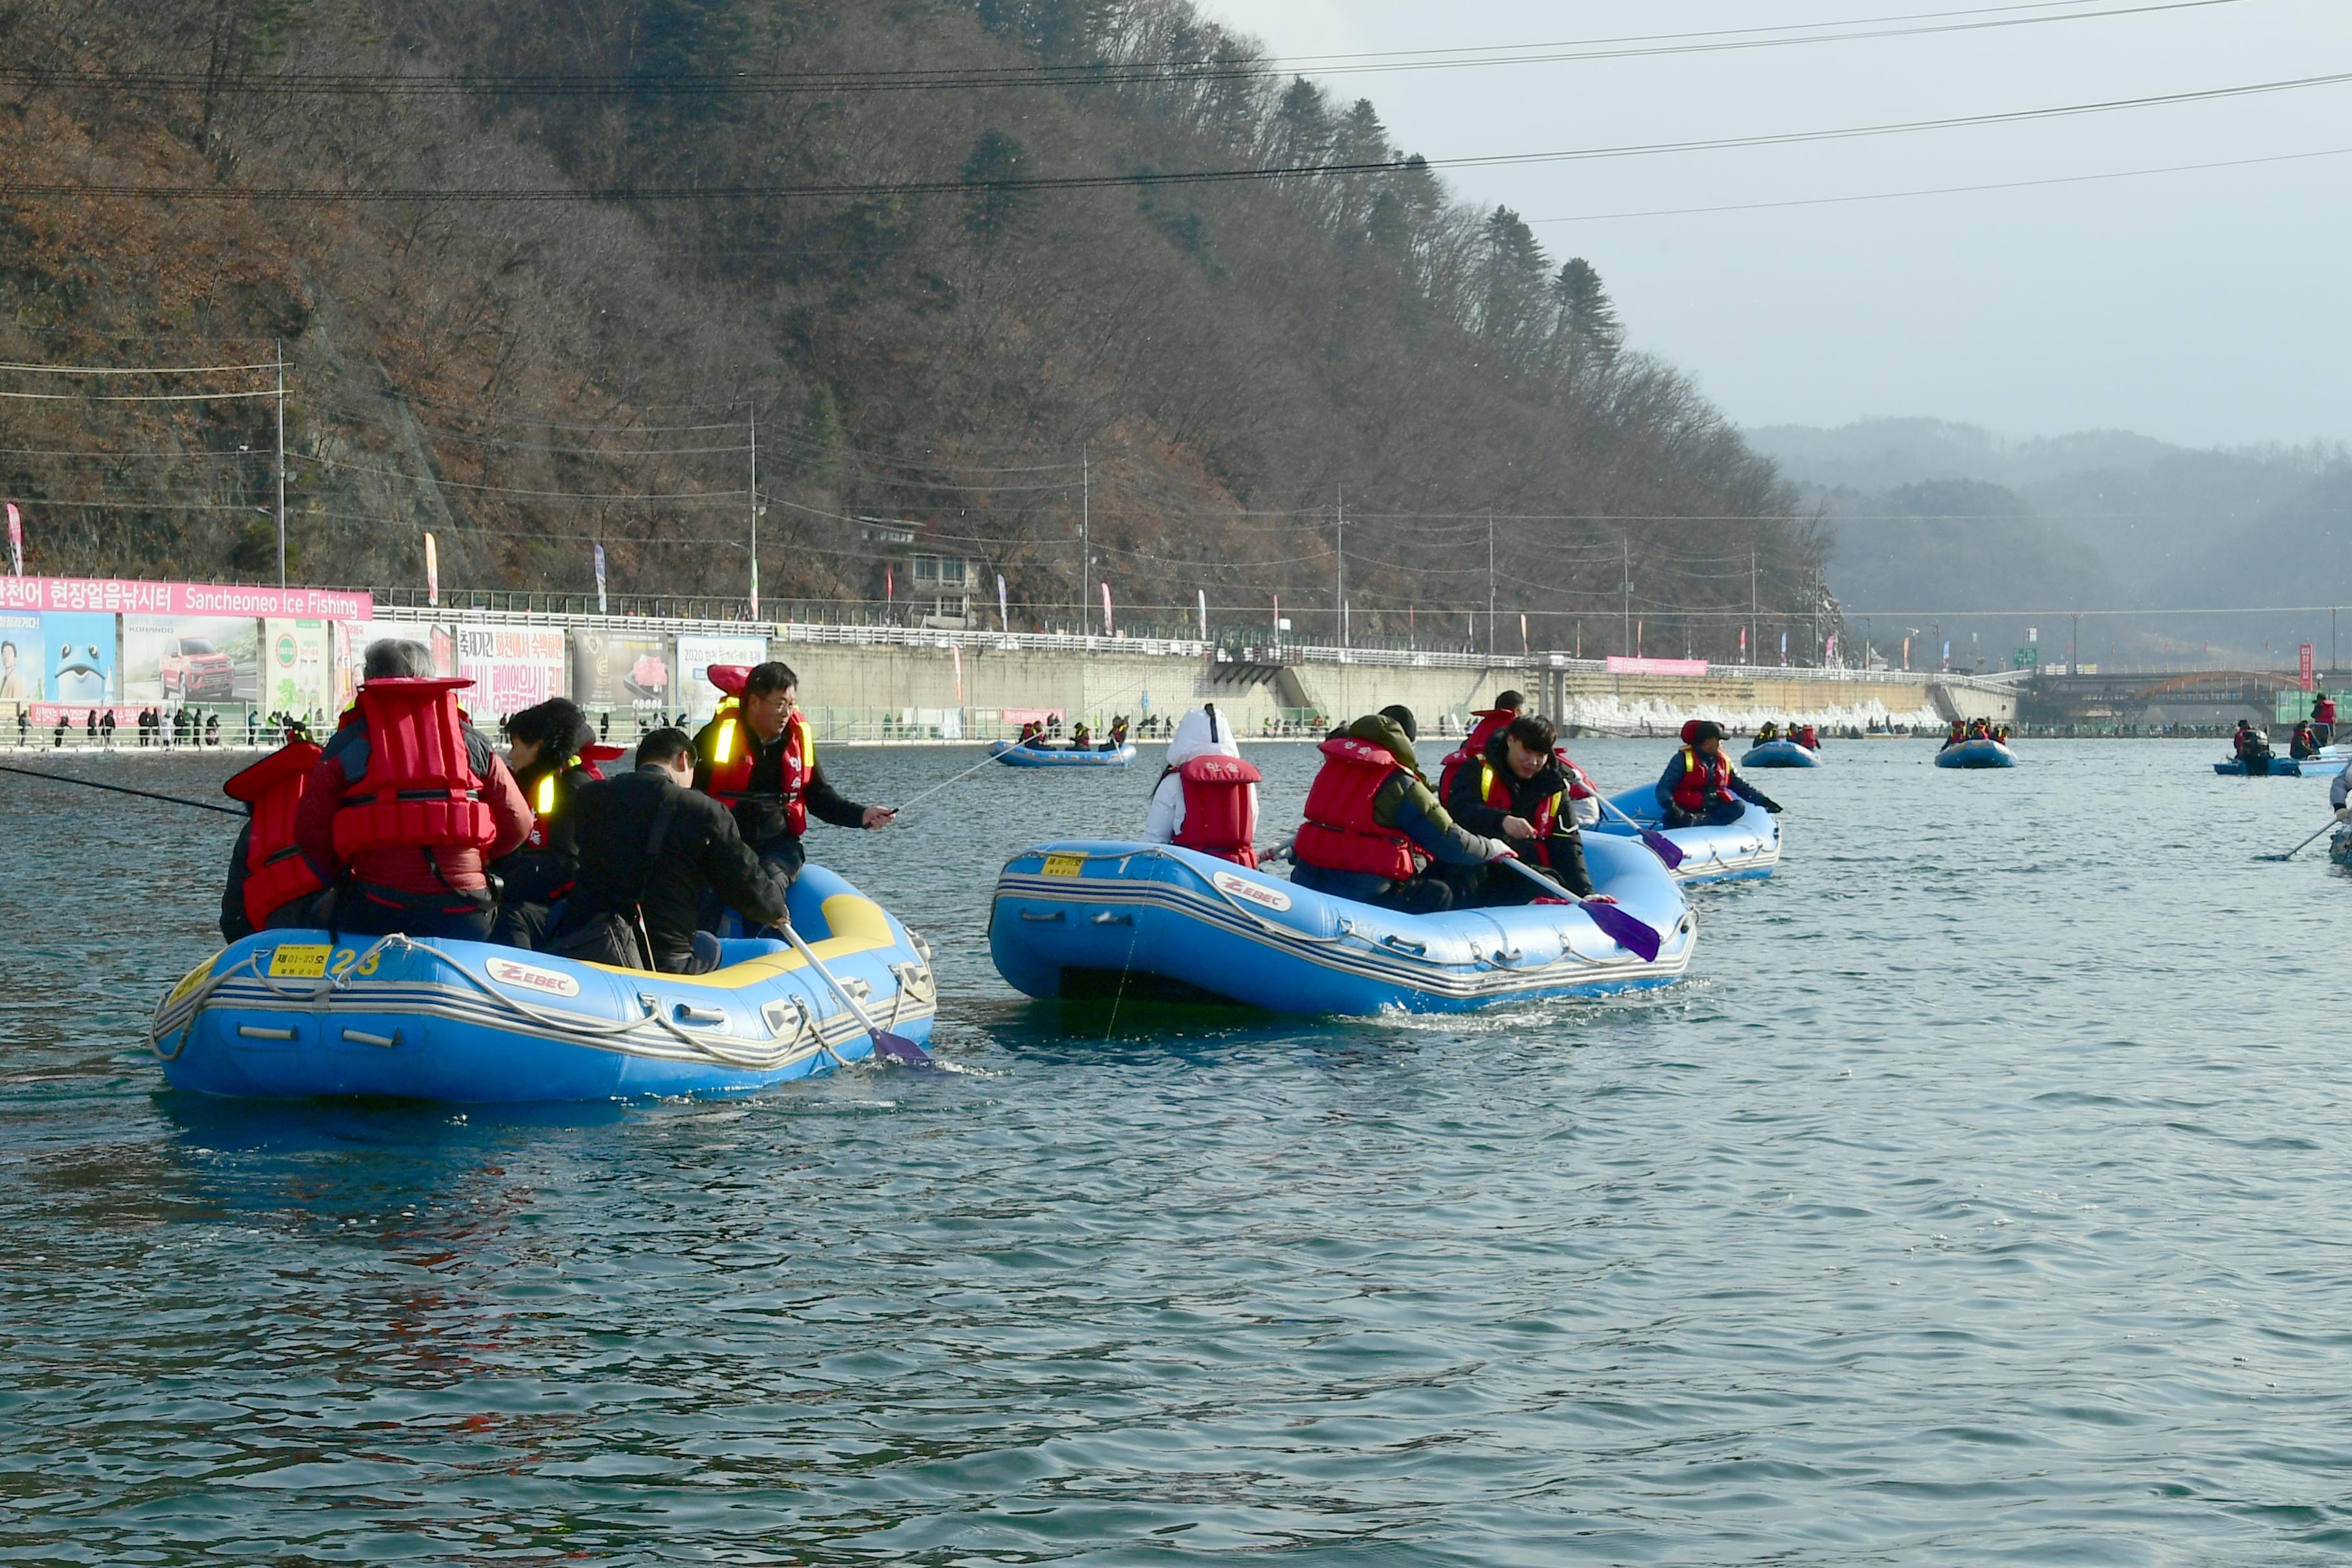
(1929, 515)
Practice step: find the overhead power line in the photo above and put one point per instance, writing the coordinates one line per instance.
(1104, 73)
(1243, 174)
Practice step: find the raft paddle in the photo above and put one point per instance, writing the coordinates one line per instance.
(1634, 936)
(1663, 848)
(123, 789)
(897, 1047)
(2298, 848)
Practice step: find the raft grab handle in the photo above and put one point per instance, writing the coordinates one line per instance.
(261, 1032)
(362, 1037)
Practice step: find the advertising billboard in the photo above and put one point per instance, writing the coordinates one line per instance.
(21, 663)
(116, 596)
(696, 652)
(512, 667)
(625, 670)
(296, 676)
(190, 658)
(78, 654)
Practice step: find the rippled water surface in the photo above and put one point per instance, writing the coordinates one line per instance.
(1982, 1197)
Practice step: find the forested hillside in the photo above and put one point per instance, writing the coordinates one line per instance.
(535, 265)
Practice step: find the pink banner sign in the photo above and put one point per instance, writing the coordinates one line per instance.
(116, 596)
(1620, 665)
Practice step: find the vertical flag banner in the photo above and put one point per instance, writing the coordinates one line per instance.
(1523, 633)
(1204, 612)
(1906, 653)
(955, 657)
(1829, 650)
(600, 583)
(1784, 648)
(1947, 653)
(1105, 588)
(16, 542)
(889, 586)
(1743, 645)
(1277, 617)
(1003, 616)
(432, 573)
(1637, 639)
(755, 587)
(2302, 664)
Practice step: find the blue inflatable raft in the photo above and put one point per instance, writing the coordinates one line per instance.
(1084, 917)
(1013, 754)
(2279, 768)
(1745, 848)
(1978, 753)
(1780, 754)
(293, 1015)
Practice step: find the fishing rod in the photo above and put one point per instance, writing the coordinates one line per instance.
(123, 789)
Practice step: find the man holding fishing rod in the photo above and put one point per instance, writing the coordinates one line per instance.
(756, 758)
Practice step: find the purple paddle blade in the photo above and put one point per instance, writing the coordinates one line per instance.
(898, 1048)
(1634, 936)
(1663, 848)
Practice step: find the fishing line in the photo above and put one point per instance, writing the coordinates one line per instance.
(123, 789)
(992, 756)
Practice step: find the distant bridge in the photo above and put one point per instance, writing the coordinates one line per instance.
(2129, 694)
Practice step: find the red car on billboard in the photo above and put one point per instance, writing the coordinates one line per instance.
(192, 667)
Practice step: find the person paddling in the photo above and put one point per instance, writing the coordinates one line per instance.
(1701, 788)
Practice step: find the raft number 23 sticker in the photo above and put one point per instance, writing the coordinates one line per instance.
(309, 961)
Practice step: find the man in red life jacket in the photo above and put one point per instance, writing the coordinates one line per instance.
(1699, 786)
(2323, 718)
(544, 747)
(1373, 828)
(407, 805)
(271, 887)
(1207, 796)
(1509, 705)
(1809, 737)
(1517, 792)
(756, 758)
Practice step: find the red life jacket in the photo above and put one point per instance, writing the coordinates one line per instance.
(419, 789)
(1492, 722)
(1496, 791)
(2327, 706)
(548, 796)
(730, 764)
(593, 755)
(275, 874)
(1220, 810)
(1580, 783)
(1809, 738)
(1705, 781)
(1340, 833)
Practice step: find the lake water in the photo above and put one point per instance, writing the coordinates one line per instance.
(1982, 1197)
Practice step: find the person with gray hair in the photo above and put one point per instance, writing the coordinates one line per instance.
(400, 823)
(397, 659)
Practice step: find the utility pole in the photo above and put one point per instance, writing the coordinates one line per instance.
(1625, 547)
(1339, 596)
(2074, 646)
(755, 510)
(278, 353)
(1753, 654)
(1086, 523)
(1490, 583)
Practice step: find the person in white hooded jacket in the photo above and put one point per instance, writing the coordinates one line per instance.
(1207, 797)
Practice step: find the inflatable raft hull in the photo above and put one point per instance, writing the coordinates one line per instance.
(1101, 917)
(295, 1015)
(1976, 754)
(2280, 768)
(1747, 848)
(1019, 756)
(1780, 754)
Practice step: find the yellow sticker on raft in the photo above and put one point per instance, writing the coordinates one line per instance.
(1065, 865)
(195, 977)
(298, 961)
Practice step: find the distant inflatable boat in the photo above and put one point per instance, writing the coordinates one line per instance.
(1013, 754)
(304, 1015)
(1979, 753)
(1087, 918)
(2277, 768)
(1747, 847)
(1780, 754)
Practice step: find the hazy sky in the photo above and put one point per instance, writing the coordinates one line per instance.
(2206, 307)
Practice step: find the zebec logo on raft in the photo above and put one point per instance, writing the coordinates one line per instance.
(523, 976)
(1256, 892)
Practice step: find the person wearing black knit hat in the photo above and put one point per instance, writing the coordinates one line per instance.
(1374, 827)
(1700, 787)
